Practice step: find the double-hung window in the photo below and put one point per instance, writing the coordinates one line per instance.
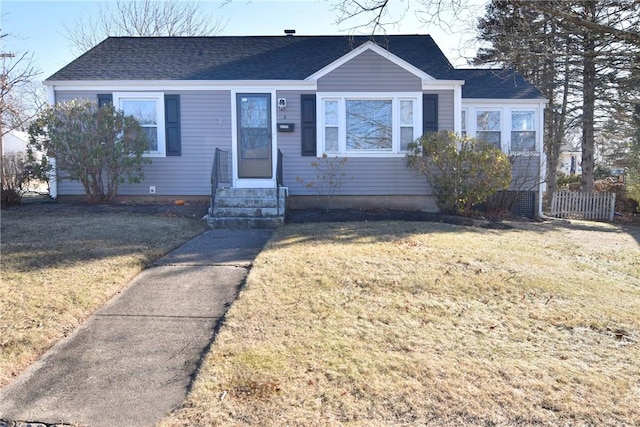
(523, 134)
(331, 125)
(488, 127)
(368, 124)
(407, 123)
(148, 108)
(463, 123)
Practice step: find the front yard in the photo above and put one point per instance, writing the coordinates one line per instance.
(407, 323)
(363, 323)
(62, 262)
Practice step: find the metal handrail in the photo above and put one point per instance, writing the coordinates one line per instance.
(279, 173)
(220, 172)
(279, 179)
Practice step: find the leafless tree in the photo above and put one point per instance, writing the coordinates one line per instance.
(583, 55)
(17, 77)
(140, 18)
(377, 15)
(18, 72)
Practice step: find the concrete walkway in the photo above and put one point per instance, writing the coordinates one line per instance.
(134, 359)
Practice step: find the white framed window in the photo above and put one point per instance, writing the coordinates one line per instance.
(148, 108)
(488, 127)
(365, 124)
(463, 123)
(331, 115)
(369, 124)
(407, 123)
(523, 134)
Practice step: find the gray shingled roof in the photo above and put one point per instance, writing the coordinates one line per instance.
(494, 83)
(268, 58)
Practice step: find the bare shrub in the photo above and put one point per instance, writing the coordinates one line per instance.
(330, 176)
(15, 178)
(461, 171)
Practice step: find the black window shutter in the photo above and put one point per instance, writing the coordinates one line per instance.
(429, 113)
(308, 126)
(104, 99)
(172, 124)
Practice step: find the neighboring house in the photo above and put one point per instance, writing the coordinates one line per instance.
(14, 142)
(570, 160)
(303, 96)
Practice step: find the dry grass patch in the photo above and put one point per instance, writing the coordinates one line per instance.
(58, 266)
(407, 323)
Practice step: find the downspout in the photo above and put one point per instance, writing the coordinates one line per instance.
(53, 173)
(543, 160)
(457, 108)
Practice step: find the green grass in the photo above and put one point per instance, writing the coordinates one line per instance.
(397, 323)
(61, 264)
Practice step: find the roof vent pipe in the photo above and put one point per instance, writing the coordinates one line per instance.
(289, 32)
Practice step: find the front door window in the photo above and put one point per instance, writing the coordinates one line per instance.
(254, 136)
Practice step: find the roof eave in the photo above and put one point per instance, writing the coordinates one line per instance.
(502, 100)
(177, 84)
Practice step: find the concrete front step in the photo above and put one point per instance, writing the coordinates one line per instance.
(248, 208)
(243, 212)
(248, 202)
(248, 192)
(226, 222)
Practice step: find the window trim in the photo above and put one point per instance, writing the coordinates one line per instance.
(506, 122)
(500, 111)
(533, 129)
(158, 97)
(394, 97)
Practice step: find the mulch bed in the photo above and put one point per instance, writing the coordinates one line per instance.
(293, 216)
(299, 216)
(46, 205)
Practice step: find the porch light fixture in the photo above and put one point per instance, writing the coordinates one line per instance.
(282, 103)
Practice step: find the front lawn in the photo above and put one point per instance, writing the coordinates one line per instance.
(62, 262)
(406, 323)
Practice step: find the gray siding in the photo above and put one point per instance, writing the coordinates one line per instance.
(525, 173)
(369, 72)
(445, 108)
(363, 176)
(205, 125)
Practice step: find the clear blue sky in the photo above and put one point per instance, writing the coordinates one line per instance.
(37, 26)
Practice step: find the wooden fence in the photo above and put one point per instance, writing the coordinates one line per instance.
(583, 205)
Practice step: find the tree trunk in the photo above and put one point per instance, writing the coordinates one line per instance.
(588, 101)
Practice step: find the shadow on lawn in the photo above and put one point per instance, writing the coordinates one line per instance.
(479, 224)
(51, 235)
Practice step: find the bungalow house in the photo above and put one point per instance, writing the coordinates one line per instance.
(252, 114)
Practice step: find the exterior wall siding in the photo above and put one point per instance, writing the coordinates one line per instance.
(369, 72)
(391, 174)
(526, 169)
(445, 108)
(525, 173)
(205, 126)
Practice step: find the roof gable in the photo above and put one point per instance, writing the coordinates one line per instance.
(369, 45)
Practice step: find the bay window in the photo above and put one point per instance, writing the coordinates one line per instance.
(368, 124)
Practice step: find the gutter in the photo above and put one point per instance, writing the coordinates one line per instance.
(53, 173)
